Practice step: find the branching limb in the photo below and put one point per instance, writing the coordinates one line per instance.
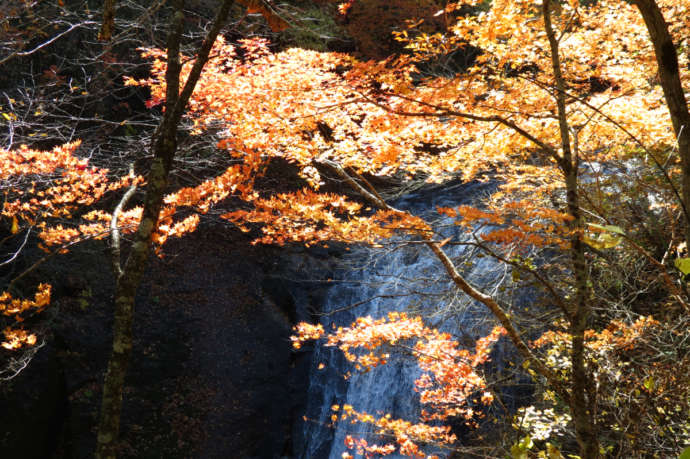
(16, 253)
(17, 364)
(466, 287)
(115, 230)
(582, 398)
(45, 43)
(533, 272)
(164, 147)
(631, 136)
(61, 249)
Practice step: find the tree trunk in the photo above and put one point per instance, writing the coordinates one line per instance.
(669, 77)
(164, 146)
(581, 402)
(108, 25)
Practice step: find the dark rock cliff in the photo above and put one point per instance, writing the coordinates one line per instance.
(213, 374)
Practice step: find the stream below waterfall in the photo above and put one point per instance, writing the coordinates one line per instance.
(398, 277)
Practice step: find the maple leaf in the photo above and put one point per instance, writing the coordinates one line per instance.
(274, 21)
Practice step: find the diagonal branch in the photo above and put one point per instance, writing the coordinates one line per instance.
(464, 285)
(201, 59)
(533, 272)
(45, 43)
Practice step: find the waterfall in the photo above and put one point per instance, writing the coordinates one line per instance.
(398, 277)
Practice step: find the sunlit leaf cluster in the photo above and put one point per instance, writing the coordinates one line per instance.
(450, 386)
(18, 310)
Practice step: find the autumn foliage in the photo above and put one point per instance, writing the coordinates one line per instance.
(18, 309)
(48, 192)
(449, 387)
(559, 101)
(560, 104)
(308, 107)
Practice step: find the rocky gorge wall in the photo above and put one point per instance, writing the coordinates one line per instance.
(213, 374)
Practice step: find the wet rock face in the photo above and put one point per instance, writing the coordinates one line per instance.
(212, 375)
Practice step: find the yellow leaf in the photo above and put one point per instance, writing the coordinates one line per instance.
(683, 265)
(15, 225)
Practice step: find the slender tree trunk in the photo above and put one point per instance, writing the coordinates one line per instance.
(108, 25)
(580, 401)
(164, 146)
(125, 291)
(669, 77)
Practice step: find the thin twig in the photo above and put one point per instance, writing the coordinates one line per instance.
(46, 43)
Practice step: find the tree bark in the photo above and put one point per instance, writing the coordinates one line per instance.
(581, 402)
(108, 25)
(669, 77)
(164, 146)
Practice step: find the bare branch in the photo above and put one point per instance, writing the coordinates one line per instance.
(45, 43)
(16, 253)
(114, 229)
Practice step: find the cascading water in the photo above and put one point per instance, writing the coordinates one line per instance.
(407, 278)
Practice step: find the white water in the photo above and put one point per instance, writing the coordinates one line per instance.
(408, 278)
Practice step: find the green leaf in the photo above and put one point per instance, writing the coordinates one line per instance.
(519, 449)
(603, 241)
(516, 275)
(683, 265)
(608, 228)
(685, 454)
(606, 236)
(527, 442)
(649, 384)
(517, 453)
(552, 452)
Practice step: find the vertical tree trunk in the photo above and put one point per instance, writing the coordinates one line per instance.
(164, 146)
(108, 25)
(580, 400)
(669, 77)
